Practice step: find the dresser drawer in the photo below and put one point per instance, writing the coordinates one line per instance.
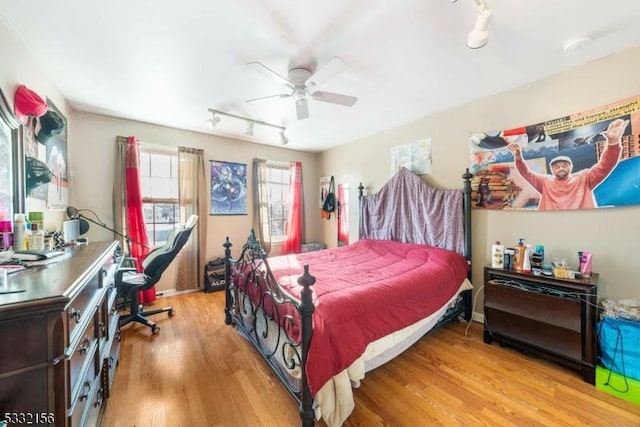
(537, 306)
(110, 363)
(82, 354)
(86, 389)
(83, 305)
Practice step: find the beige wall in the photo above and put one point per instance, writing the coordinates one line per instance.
(92, 152)
(611, 234)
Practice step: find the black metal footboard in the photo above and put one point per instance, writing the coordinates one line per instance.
(277, 323)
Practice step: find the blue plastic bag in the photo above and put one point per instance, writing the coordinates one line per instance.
(619, 346)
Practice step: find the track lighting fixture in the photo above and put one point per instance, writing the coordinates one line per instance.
(479, 35)
(212, 122)
(249, 130)
(215, 119)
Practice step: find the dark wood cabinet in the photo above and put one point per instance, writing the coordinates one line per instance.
(60, 339)
(543, 315)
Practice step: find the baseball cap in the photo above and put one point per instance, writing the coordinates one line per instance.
(28, 103)
(561, 159)
(50, 124)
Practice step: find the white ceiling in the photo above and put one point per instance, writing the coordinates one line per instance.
(167, 62)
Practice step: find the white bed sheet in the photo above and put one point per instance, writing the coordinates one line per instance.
(334, 401)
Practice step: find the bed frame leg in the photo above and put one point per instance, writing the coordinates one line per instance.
(227, 280)
(468, 305)
(306, 310)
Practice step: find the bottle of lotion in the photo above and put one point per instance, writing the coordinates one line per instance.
(497, 255)
(518, 255)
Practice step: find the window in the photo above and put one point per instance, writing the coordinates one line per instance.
(278, 195)
(159, 188)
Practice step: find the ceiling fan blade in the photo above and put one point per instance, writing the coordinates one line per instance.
(302, 108)
(330, 70)
(334, 98)
(278, 95)
(269, 73)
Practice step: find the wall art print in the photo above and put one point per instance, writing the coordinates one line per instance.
(415, 156)
(228, 188)
(581, 161)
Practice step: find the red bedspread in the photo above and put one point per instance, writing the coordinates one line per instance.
(365, 291)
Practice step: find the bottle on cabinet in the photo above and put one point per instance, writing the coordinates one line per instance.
(526, 262)
(36, 238)
(19, 232)
(497, 255)
(518, 255)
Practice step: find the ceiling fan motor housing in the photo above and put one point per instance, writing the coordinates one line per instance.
(298, 76)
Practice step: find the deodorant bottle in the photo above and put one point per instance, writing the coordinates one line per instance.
(497, 255)
(19, 232)
(526, 262)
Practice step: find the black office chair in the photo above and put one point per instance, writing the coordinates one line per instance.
(129, 282)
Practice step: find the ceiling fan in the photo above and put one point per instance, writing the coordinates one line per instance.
(302, 83)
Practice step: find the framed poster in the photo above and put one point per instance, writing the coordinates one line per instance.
(324, 189)
(53, 133)
(45, 147)
(228, 188)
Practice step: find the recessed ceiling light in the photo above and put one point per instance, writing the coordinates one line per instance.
(577, 42)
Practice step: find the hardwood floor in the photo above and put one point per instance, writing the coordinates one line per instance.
(199, 372)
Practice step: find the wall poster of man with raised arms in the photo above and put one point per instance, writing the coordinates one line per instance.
(583, 161)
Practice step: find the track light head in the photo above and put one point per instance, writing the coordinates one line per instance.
(479, 36)
(249, 130)
(283, 138)
(212, 122)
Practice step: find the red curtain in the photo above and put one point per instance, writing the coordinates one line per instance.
(343, 217)
(136, 227)
(293, 242)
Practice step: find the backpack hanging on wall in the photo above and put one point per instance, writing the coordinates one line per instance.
(329, 204)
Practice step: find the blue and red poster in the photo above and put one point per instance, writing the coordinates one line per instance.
(582, 161)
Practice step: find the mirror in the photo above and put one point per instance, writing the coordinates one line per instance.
(11, 195)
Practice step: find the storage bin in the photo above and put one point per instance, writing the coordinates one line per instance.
(313, 246)
(617, 385)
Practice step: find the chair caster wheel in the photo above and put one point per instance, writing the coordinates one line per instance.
(155, 329)
(171, 313)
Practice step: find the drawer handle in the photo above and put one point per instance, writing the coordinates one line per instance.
(66, 355)
(99, 399)
(75, 314)
(87, 387)
(85, 346)
(102, 328)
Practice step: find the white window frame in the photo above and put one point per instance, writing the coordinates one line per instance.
(284, 188)
(152, 227)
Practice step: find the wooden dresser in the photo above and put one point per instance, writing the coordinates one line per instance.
(60, 339)
(546, 316)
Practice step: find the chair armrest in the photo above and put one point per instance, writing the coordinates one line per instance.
(120, 272)
(128, 261)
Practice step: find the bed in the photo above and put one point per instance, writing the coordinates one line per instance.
(322, 319)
